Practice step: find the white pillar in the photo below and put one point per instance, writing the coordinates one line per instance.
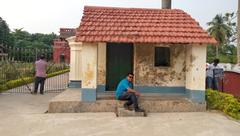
(75, 76)
(102, 48)
(89, 71)
(196, 72)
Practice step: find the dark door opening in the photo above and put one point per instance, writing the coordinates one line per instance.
(62, 58)
(119, 63)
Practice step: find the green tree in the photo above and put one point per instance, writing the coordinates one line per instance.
(4, 32)
(47, 39)
(19, 34)
(21, 38)
(229, 18)
(25, 39)
(220, 30)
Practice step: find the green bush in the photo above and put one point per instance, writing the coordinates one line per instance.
(26, 80)
(238, 98)
(15, 70)
(15, 83)
(224, 102)
(3, 87)
(52, 67)
(57, 73)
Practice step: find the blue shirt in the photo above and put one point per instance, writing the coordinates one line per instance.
(123, 86)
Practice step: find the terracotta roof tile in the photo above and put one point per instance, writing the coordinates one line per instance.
(109, 24)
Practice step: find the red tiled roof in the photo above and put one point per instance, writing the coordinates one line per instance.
(136, 25)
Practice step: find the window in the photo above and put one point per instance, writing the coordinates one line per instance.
(162, 56)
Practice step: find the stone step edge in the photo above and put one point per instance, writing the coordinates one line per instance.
(121, 112)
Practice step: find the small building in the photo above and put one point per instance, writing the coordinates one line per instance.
(61, 49)
(164, 48)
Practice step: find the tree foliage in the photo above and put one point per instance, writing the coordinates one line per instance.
(25, 39)
(20, 38)
(219, 29)
(4, 32)
(223, 29)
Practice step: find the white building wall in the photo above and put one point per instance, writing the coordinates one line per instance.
(102, 52)
(195, 67)
(89, 67)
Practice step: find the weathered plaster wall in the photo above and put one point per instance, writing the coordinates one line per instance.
(146, 74)
(89, 67)
(195, 67)
(101, 64)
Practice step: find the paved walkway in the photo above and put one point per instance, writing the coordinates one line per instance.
(23, 115)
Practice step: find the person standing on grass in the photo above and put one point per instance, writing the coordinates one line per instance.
(40, 76)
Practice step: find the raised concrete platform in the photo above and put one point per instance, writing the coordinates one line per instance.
(70, 102)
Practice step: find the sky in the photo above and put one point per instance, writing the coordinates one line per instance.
(47, 16)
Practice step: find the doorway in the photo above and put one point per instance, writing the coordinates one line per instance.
(119, 63)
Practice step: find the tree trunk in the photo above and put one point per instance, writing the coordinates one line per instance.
(238, 33)
(217, 51)
(166, 4)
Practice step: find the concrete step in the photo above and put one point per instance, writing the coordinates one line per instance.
(167, 104)
(145, 96)
(121, 112)
(70, 102)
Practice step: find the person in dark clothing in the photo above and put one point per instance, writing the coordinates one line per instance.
(125, 91)
(40, 76)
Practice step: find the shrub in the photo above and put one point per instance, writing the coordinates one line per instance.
(57, 73)
(19, 82)
(15, 70)
(224, 102)
(26, 80)
(238, 98)
(3, 87)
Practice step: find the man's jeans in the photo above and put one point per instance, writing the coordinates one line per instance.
(39, 80)
(212, 83)
(131, 99)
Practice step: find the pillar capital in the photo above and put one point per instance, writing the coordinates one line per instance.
(74, 45)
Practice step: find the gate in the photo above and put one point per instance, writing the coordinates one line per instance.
(17, 70)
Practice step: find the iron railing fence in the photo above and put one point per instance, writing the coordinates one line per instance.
(17, 70)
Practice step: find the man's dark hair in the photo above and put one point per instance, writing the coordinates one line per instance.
(216, 61)
(130, 73)
(42, 56)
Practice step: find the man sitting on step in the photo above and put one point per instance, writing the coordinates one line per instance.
(125, 91)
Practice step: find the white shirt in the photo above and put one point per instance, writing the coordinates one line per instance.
(210, 69)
